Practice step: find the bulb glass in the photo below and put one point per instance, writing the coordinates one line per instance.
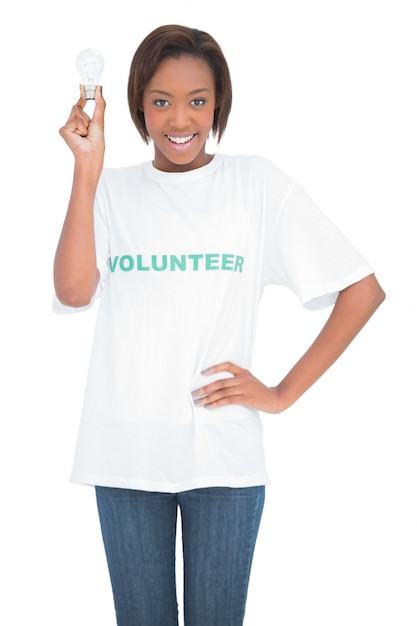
(90, 64)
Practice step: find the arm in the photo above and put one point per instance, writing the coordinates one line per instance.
(75, 272)
(353, 308)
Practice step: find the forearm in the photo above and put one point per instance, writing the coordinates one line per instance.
(75, 268)
(353, 308)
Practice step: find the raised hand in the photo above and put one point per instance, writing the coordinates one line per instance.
(75, 273)
(85, 135)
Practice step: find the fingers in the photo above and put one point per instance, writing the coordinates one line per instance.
(80, 116)
(217, 394)
(98, 97)
(227, 366)
(226, 386)
(81, 122)
(243, 389)
(100, 107)
(78, 121)
(80, 127)
(82, 100)
(222, 391)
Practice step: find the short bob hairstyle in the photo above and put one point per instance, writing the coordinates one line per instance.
(174, 41)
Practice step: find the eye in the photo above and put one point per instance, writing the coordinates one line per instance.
(161, 103)
(198, 102)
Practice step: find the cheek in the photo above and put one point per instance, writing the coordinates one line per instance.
(151, 120)
(210, 118)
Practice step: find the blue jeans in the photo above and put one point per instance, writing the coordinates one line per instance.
(219, 530)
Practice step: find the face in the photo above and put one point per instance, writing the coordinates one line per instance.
(178, 105)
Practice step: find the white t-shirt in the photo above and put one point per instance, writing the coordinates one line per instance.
(184, 258)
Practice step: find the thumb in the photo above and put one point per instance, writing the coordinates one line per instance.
(100, 106)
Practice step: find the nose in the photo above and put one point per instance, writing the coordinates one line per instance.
(180, 117)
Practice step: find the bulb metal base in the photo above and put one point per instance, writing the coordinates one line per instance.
(89, 91)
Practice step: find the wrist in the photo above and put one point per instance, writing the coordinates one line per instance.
(88, 169)
(283, 399)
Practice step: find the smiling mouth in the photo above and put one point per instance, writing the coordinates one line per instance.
(180, 140)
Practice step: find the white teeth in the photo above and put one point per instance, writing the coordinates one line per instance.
(180, 139)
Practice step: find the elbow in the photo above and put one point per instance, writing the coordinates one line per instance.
(76, 293)
(382, 296)
(74, 298)
(377, 294)
(370, 293)
(365, 296)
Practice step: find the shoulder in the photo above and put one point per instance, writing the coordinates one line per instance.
(255, 166)
(260, 177)
(122, 175)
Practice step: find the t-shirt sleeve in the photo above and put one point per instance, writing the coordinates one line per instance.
(102, 247)
(306, 252)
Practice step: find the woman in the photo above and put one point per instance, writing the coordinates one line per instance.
(179, 250)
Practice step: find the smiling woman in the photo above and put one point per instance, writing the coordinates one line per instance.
(176, 42)
(180, 250)
(178, 108)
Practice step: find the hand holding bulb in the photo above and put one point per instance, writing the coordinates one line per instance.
(82, 133)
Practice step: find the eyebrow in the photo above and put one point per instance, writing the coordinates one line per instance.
(170, 95)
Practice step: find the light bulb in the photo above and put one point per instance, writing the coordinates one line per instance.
(90, 65)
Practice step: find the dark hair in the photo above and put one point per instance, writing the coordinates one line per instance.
(173, 41)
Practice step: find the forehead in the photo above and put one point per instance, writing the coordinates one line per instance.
(182, 74)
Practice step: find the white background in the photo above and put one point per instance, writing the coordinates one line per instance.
(327, 89)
